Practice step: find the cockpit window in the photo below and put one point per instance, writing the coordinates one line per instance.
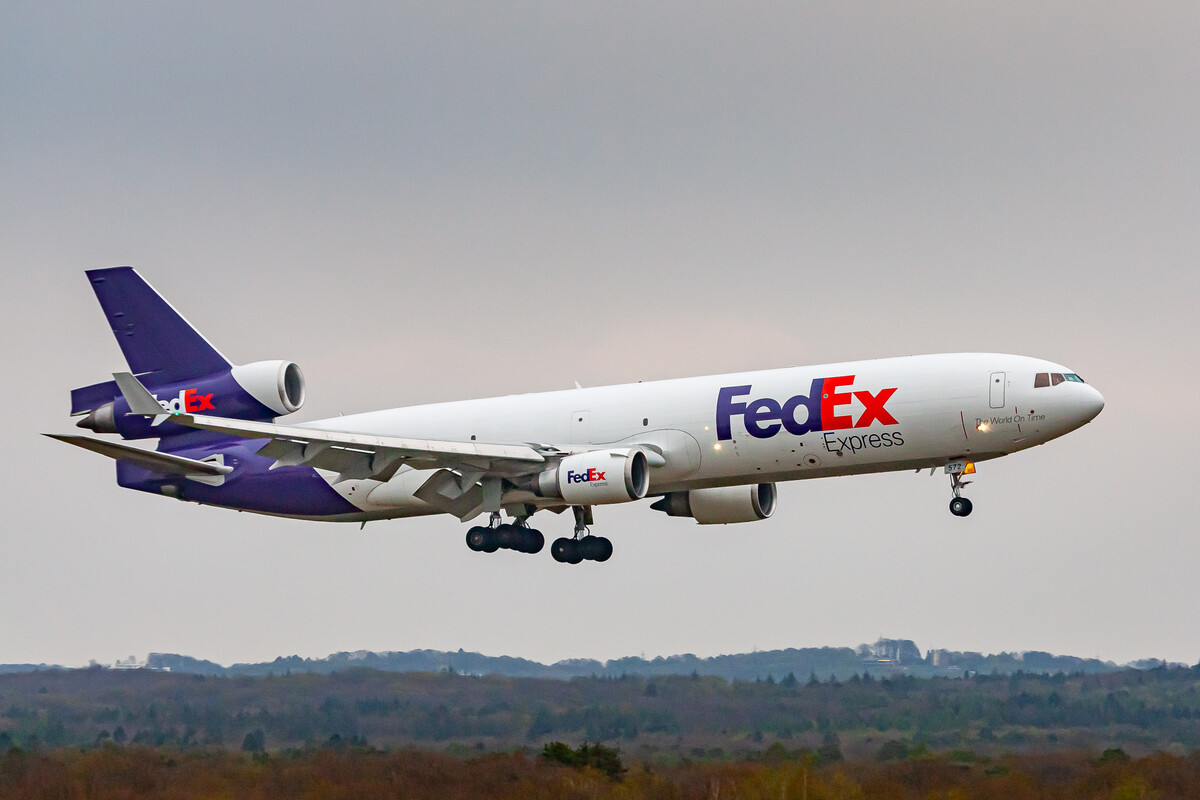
(1044, 379)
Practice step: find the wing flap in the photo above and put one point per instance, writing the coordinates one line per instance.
(453, 494)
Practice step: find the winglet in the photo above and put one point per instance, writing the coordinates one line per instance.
(140, 401)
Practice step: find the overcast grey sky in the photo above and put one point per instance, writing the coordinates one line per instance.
(439, 201)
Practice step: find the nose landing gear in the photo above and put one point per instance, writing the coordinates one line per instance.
(960, 506)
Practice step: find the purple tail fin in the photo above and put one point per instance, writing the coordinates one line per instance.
(178, 366)
(153, 336)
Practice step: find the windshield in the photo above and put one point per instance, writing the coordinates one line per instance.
(1043, 379)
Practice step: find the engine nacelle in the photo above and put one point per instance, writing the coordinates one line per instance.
(721, 505)
(259, 391)
(278, 385)
(598, 477)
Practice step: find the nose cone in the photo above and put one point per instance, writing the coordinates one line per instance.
(1091, 404)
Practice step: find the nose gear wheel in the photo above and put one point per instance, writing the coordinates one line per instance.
(959, 506)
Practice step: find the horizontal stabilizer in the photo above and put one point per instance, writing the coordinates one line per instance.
(146, 459)
(140, 401)
(137, 396)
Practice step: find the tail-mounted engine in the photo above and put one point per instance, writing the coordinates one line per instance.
(721, 505)
(278, 385)
(259, 391)
(597, 477)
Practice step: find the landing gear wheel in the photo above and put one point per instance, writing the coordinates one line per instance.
(508, 537)
(481, 540)
(588, 547)
(595, 548)
(566, 551)
(518, 538)
(602, 550)
(532, 541)
(558, 550)
(960, 506)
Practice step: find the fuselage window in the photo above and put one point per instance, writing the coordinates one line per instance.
(1056, 378)
(1071, 376)
(1041, 380)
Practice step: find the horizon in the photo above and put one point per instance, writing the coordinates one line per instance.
(926, 653)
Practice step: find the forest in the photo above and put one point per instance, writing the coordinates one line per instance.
(654, 719)
(112, 772)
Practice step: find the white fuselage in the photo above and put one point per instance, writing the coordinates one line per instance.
(756, 427)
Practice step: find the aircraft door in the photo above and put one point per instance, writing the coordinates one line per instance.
(996, 397)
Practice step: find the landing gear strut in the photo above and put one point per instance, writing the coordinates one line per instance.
(584, 546)
(499, 535)
(959, 506)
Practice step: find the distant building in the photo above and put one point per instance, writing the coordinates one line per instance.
(130, 663)
(902, 651)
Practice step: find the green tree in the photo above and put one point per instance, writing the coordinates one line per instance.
(597, 756)
(255, 741)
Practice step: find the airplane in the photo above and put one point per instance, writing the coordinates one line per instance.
(710, 448)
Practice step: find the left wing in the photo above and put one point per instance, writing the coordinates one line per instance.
(353, 455)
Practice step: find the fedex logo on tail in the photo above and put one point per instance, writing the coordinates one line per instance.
(189, 401)
(824, 408)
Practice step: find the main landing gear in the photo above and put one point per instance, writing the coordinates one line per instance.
(499, 535)
(960, 506)
(589, 548)
(585, 546)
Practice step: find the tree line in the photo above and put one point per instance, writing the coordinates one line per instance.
(649, 717)
(131, 773)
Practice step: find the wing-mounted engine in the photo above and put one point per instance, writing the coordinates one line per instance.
(617, 475)
(259, 391)
(721, 505)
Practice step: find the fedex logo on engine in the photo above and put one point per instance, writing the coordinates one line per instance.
(188, 401)
(825, 408)
(591, 476)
